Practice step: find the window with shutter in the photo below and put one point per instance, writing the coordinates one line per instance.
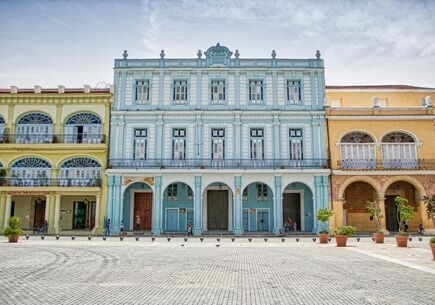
(257, 140)
(296, 144)
(179, 144)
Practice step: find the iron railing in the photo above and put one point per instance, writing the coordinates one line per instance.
(219, 164)
(387, 164)
(40, 182)
(53, 138)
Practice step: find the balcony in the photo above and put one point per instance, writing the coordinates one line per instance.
(387, 165)
(53, 138)
(44, 182)
(219, 164)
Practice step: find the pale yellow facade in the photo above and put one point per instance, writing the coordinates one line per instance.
(381, 144)
(60, 193)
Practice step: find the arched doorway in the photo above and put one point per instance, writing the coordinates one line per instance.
(138, 206)
(297, 207)
(257, 208)
(405, 190)
(177, 207)
(218, 207)
(355, 205)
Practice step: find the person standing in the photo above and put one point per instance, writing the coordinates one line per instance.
(122, 228)
(137, 223)
(189, 229)
(107, 227)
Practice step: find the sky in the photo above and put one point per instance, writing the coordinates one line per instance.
(72, 43)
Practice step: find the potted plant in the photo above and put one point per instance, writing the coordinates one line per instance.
(406, 212)
(376, 213)
(13, 231)
(432, 245)
(342, 233)
(430, 207)
(323, 215)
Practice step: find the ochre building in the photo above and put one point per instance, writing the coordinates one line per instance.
(53, 153)
(382, 145)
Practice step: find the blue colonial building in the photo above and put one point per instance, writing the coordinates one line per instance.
(219, 141)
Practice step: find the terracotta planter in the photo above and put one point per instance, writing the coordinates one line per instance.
(433, 249)
(323, 238)
(402, 241)
(341, 240)
(379, 238)
(13, 238)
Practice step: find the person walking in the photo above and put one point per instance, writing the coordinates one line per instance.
(107, 227)
(189, 230)
(122, 228)
(137, 223)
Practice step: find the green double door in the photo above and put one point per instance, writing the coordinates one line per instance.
(217, 210)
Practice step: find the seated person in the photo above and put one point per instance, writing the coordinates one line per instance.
(44, 228)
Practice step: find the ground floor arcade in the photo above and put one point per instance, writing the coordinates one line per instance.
(66, 211)
(231, 203)
(351, 193)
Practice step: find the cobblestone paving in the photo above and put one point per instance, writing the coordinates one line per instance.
(143, 272)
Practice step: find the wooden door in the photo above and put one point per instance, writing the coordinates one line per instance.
(217, 210)
(292, 208)
(391, 214)
(143, 205)
(39, 216)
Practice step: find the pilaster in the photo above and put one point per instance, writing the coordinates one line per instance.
(338, 211)
(57, 214)
(197, 206)
(7, 210)
(116, 204)
(381, 202)
(2, 209)
(277, 203)
(110, 183)
(157, 206)
(238, 229)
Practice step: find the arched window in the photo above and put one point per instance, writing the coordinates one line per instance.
(80, 171)
(34, 127)
(399, 150)
(31, 171)
(83, 127)
(357, 150)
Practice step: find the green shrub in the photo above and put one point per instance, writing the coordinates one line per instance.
(375, 211)
(406, 212)
(14, 227)
(430, 207)
(345, 230)
(323, 215)
(432, 240)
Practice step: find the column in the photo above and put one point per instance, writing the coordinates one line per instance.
(159, 138)
(276, 138)
(2, 209)
(427, 222)
(97, 212)
(110, 183)
(197, 207)
(277, 205)
(338, 211)
(238, 230)
(116, 204)
(317, 202)
(57, 214)
(47, 208)
(157, 206)
(8, 209)
(381, 202)
(325, 196)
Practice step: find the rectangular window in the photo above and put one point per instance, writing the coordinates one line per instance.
(142, 91)
(218, 91)
(296, 144)
(294, 91)
(172, 192)
(180, 91)
(261, 192)
(140, 144)
(218, 143)
(256, 91)
(178, 143)
(257, 143)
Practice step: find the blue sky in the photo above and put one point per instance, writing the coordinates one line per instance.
(52, 42)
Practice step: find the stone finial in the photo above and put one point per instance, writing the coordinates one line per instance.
(14, 89)
(125, 54)
(87, 89)
(162, 54)
(38, 89)
(61, 89)
(237, 54)
(273, 54)
(318, 54)
(428, 101)
(199, 54)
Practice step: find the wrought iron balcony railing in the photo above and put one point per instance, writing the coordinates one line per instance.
(219, 164)
(387, 164)
(53, 138)
(40, 182)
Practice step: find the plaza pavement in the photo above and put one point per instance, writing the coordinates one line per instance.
(81, 272)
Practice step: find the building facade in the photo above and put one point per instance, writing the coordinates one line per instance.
(382, 145)
(53, 153)
(224, 143)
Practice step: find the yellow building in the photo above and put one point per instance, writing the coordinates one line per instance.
(53, 153)
(381, 144)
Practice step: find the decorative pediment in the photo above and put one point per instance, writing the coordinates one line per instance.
(218, 55)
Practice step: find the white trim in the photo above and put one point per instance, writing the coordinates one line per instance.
(131, 171)
(417, 142)
(301, 200)
(383, 172)
(132, 194)
(379, 117)
(356, 130)
(372, 89)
